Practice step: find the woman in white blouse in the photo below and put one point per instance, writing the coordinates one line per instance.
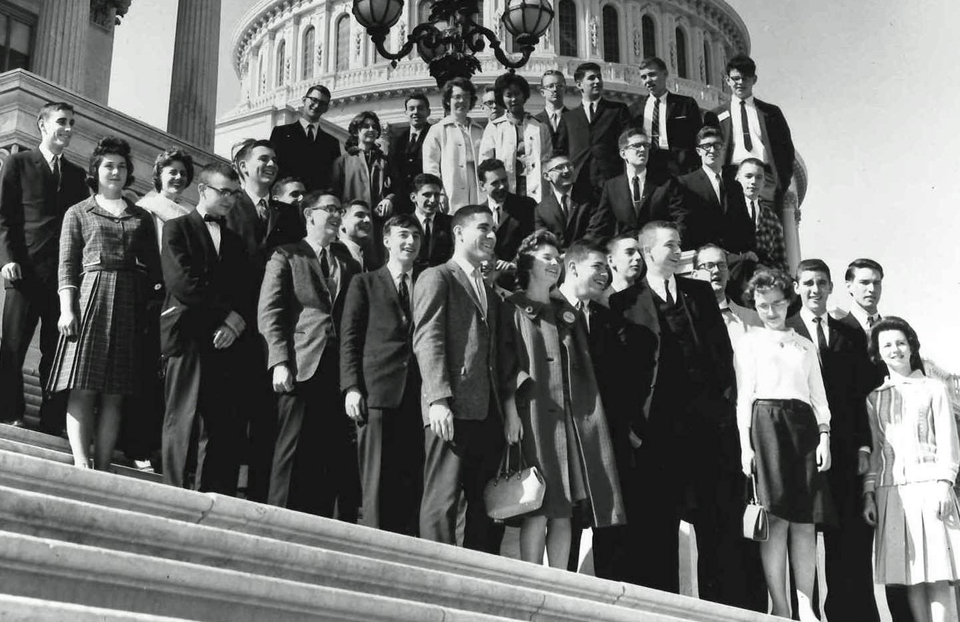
(172, 174)
(784, 424)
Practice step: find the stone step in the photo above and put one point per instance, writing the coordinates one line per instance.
(19, 609)
(287, 527)
(58, 455)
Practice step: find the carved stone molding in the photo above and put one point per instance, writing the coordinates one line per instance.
(107, 13)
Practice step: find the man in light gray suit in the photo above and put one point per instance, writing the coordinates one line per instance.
(455, 339)
(301, 300)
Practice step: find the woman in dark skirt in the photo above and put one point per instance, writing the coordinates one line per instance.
(553, 408)
(784, 424)
(109, 268)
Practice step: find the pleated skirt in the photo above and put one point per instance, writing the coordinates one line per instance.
(913, 544)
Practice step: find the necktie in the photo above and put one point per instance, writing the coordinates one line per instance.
(555, 120)
(747, 140)
(821, 337)
(56, 170)
(481, 293)
(426, 233)
(873, 319)
(719, 188)
(565, 205)
(593, 111)
(655, 124)
(637, 196)
(669, 299)
(220, 220)
(324, 264)
(262, 210)
(404, 294)
(310, 135)
(754, 212)
(584, 311)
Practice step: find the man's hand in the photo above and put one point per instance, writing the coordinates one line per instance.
(863, 462)
(441, 420)
(282, 379)
(504, 266)
(870, 509)
(385, 208)
(823, 453)
(513, 428)
(355, 405)
(11, 271)
(945, 502)
(68, 325)
(635, 441)
(223, 337)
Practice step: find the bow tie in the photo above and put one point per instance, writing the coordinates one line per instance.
(220, 220)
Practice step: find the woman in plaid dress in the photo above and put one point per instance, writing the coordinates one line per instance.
(109, 269)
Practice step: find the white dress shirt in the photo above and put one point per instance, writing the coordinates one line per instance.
(48, 155)
(259, 203)
(333, 281)
(714, 181)
(356, 251)
(580, 305)
(656, 284)
(306, 124)
(476, 280)
(648, 119)
(395, 273)
(643, 182)
(862, 317)
(213, 229)
(740, 153)
(497, 210)
(808, 316)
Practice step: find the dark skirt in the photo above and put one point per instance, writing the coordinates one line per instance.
(785, 435)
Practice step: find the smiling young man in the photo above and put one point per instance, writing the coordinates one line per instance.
(553, 86)
(355, 230)
(304, 150)
(406, 149)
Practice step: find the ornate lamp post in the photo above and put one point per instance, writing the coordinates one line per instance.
(451, 39)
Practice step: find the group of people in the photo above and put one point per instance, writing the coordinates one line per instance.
(369, 333)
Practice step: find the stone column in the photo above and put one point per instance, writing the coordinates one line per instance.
(791, 229)
(65, 22)
(193, 90)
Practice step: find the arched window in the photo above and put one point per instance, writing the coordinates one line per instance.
(649, 33)
(682, 54)
(343, 43)
(479, 16)
(281, 60)
(611, 34)
(261, 77)
(307, 55)
(567, 27)
(423, 11)
(707, 66)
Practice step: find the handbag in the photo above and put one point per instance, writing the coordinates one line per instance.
(755, 524)
(513, 492)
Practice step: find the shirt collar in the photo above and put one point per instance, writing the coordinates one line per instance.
(712, 174)
(735, 101)
(317, 248)
(395, 273)
(663, 98)
(559, 195)
(574, 302)
(808, 316)
(351, 245)
(304, 123)
(724, 304)
(466, 266)
(860, 314)
(47, 154)
(255, 199)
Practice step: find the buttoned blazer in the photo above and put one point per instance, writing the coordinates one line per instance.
(376, 341)
(544, 118)
(439, 248)
(285, 225)
(774, 131)
(298, 313)
(516, 223)
(592, 145)
(684, 120)
(569, 229)
(455, 343)
(615, 214)
(500, 141)
(705, 219)
(445, 155)
(203, 288)
(351, 178)
(298, 157)
(406, 162)
(32, 210)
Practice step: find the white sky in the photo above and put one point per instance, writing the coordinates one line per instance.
(869, 88)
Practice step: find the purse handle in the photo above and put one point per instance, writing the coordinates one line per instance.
(753, 488)
(505, 461)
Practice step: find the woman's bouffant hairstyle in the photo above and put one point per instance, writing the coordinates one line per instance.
(109, 145)
(525, 253)
(896, 323)
(168, 157)
(505, 81)
(447, 92)
(766, 280)
(353, 140)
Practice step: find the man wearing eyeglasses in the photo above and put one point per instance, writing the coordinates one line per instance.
(553, 85)
(304, 150)
(562, 211)
(489, 104)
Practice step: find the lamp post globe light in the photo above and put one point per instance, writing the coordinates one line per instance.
(451, 38)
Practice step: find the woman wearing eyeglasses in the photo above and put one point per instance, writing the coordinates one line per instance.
(784, 425)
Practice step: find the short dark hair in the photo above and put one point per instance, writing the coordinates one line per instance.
(709, 246)
(655, 62)
(402, 221)
(528, 246)
(487, 166)
(356, 203)
(280, 183)
(754, 161)
(627, 134)
(581, 249)
(447, 92)
(465, 213)
(418, 96)
(217, 168)
(765, 280)
(311, 201)
(505, 81)
(708, 131)
(556, 73)
(168, 157)
(655, 225)
(425, 179)
(583, 68)
(51, 107)
(862, 262)
(892, 322)
(742, 63)
(318, 87)
(814, 265)
(249, 145)
(626, 235)
(109, 145)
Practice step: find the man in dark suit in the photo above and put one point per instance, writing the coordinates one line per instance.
(553, 87)
(637, 197)
(36, 188)
(679, 347)
(455, 340)
(207, 309)
(714, 207)
(381, 383)
(356, 235)
(670, 120)
(303, 149)
(864, 280)
(847, 376)
(512, 214)
(406, 150)
(754, 128)
(561, 211)
(437, 243)
(588, 133)
(301, 301)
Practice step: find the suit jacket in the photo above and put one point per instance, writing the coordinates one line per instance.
(847, 377)
(284, 226)
(406, 163)
(351, 178)
(376, 345)
(296, 156)
(615, 214)
(32, 210)
(878, 371)
(683, 122)
(544, 118)
(439, 247)
(775, 134)
(568, 229)
(516, 223)
(641, 339)
(203, 288)
(705, 219)
(455, 343)
(299, 312)
(592, 146)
